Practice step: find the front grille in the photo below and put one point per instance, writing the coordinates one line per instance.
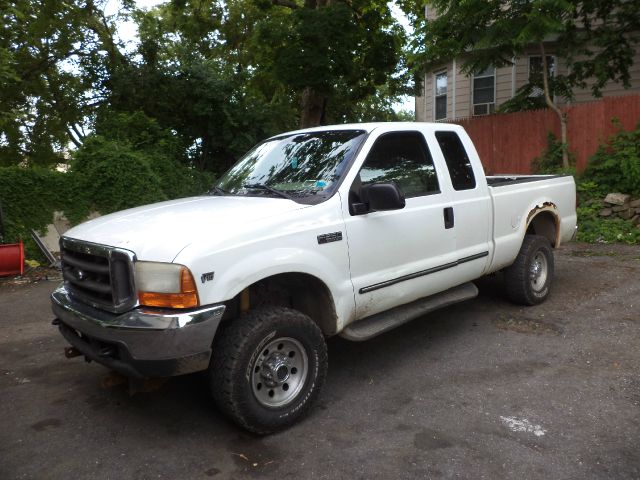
(98, 275)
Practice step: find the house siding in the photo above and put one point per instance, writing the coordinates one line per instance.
(463, 94)
(503, 85)
(613, 89)
(508, 80)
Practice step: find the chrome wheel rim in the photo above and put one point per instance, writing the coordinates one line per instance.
(538, 271)
(279, 372)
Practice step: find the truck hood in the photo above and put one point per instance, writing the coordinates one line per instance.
(158, 232)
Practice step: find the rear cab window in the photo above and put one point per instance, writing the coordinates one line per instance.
(457, 160)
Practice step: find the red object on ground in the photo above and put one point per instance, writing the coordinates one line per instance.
(11, 259)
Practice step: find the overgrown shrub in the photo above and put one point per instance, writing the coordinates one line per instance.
(550, 160)
(119, 176)
(595, 229)
(615, 167)
(29, 196)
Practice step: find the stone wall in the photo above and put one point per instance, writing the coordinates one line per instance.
(621, 205)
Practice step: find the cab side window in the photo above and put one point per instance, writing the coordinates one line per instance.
(458, 163)
(404, 158)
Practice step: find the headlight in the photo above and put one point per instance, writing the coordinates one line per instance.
(165, 285)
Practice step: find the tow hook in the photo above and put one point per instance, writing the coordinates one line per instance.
(71, 352)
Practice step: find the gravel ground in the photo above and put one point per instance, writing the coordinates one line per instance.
(483, 389)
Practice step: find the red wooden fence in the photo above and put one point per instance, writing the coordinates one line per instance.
(507, 143)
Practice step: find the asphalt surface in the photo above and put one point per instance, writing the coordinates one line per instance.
(483, 389)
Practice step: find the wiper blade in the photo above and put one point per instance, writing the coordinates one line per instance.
(262, 186)
(217, 191)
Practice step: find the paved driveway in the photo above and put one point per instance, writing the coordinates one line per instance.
(483, 389)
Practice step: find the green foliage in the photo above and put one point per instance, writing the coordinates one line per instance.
(550, 161)
(29, 196)
(521, 103)
(54, 57)
(339, 44)
(151, 149)
(596, 229)
(530, 96)
(220, 75)
(118, 176)
(334, 57)
(615, 166)
(136, 168)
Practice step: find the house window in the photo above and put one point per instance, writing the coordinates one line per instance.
(441, 96)
(535, 73)
(484, 92)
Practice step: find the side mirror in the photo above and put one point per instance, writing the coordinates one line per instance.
(383, 196)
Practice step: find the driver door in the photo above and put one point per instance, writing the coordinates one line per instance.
(400, 255)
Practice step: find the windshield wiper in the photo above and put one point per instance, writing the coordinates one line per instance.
(217, 191)
(262, 186)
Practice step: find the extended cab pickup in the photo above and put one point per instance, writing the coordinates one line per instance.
(345, 230)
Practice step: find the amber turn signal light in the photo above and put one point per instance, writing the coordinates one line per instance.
(186, 298)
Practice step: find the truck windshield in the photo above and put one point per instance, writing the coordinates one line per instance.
(298, 165)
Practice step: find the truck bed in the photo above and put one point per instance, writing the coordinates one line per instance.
(515, 196)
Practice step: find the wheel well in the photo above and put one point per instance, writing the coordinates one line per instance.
(544, 223)
(300, 291)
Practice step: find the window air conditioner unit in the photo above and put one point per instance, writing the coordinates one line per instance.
(483, 109)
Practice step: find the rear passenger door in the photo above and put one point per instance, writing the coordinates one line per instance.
(470, 204)
(399, 256)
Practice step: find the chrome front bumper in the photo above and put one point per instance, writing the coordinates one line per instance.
(144, 342)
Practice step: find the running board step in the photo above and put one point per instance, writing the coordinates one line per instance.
(382, 322)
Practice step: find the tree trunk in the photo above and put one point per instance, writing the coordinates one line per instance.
(312, 108)
(561, 115)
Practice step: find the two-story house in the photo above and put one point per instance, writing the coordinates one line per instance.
(448, 93)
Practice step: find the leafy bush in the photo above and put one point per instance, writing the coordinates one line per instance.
(550, 161)
(117, 176)
(596, 229)
(29, 196)
(615, 167)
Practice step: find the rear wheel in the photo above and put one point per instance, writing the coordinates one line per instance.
(267, 368)
(528, 280)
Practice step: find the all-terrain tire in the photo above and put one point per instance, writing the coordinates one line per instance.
(528, 280)
(267, 368)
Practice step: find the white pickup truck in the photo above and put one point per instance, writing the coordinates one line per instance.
(344, 230)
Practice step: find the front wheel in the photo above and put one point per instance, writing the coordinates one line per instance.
(267, 368)
(528, 280)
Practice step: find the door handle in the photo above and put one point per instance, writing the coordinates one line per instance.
(448, 218)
